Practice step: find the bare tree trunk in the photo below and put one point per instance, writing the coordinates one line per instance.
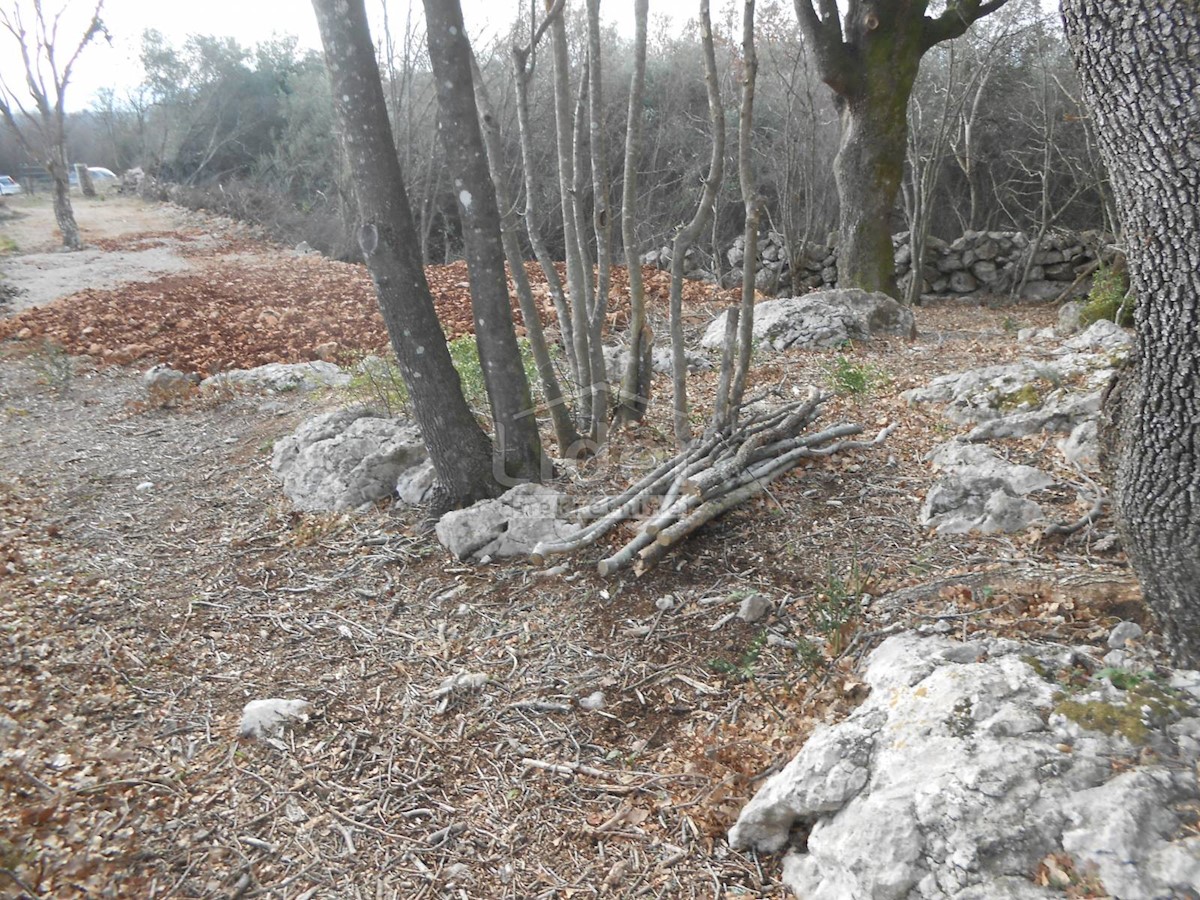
(41, 131)
(564, 429)
(870, 58)
(64, 214)
(522, 61)
(754, 204)
(691, 232)
(460, 451)
(1139, 64)
(601, 224)
(577, 276)
(923, 176)
(85, 180)
(499, 356)
(635, 383)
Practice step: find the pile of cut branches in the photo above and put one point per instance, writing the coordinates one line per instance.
(718, 472)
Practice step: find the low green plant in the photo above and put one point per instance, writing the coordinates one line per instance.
(377, 383)
(848, 377)
(743, 669)
(835, 609)
(464, 353)
(1110, 298)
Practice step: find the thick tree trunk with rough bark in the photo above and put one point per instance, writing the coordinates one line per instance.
(499, 356)
(868, 169)
(870, 60)
(461, 452)
(1139, 64)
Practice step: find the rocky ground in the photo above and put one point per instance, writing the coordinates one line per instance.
(153, 579)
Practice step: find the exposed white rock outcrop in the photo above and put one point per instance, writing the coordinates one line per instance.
(346, 459)
(969, 764)
(820, 320)
(281, 377)
(511, 525)
(980, 491)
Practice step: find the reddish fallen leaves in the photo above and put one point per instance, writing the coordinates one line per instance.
(268, 307)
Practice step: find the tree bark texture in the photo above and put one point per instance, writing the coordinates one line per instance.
(578, 276)
(565, 434)
(1139, 65)
(635, 381)
(601, 222)
(690, 233)
(517, 438)
(870, 62)
(460, 451)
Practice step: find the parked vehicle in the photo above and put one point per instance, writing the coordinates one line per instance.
(9, 186)
(100, 176)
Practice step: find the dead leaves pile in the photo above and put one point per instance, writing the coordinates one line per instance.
(267, 306)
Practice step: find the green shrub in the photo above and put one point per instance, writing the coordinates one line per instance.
(378, 382)
(848, 377)
(1109, 298)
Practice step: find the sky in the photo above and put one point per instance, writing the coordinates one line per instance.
(252, 21)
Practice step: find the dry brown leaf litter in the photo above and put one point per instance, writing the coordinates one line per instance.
(138, 621)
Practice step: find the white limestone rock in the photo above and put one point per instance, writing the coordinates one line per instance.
(1061, 411)
(281, 377)
(267, 718)
(511, 525)
(346, 459)
(961, 772)
(416, 485)
(820, 320)
(1103, 336)
(981, 491)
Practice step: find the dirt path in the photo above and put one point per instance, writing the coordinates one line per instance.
(153, 580)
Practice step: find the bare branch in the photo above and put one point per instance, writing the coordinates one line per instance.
(958, 16)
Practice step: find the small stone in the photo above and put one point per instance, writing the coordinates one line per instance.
(664, 603)
(144, 486)
(592, 701)
(266, 718)
(1123, 633)
(754, 608)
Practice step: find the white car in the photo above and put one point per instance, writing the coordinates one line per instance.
(8, 186)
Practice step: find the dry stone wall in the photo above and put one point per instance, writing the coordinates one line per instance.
(976, 263)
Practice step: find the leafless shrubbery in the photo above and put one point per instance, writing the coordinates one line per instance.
(320, 223)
